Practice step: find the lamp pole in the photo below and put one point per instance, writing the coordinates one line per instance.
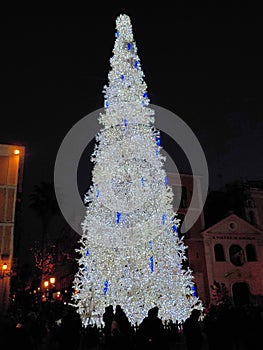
(4, 268)
(49, 286)
(5, 286)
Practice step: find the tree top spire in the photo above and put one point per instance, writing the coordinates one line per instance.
(124, 27)
(126, 89)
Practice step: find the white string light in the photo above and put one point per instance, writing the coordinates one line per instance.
(130, 252)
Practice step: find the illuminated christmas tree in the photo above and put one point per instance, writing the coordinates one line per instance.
(130, 252)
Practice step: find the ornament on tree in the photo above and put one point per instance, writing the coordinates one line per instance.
(130, 251)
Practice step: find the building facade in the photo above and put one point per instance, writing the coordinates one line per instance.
(229, 253)
(183, 188)
(234, 257)
(11, 176)
(253, 211)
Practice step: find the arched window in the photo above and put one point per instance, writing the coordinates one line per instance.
(219, 252)
(251, 252)
(236, 254)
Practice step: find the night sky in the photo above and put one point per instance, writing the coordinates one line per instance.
(203, 64)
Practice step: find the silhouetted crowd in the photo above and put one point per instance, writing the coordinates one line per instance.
(54, 326)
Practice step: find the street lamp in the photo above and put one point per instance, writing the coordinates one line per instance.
(49, 286)
(52, 281)
(4, 268)
(5, 287)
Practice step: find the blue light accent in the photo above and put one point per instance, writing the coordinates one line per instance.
(129, 46)
(106, 104)
(174, 228)
(194, 291)
(122, 77)
(117, 34)
(106, 286)
(87, 252)
(157, 153)
(118, 218)
(125, 122)
(145, 95)
(142, 180)
(151, 264)
(97, 193)
(163, 219)
(158, 141)
(166, 180)
(136, 64)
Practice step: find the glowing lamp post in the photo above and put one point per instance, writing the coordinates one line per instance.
(49, 285)
(4, 288)
(4, 268)
(52, 281)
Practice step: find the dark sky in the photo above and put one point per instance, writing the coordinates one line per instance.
(203, 64)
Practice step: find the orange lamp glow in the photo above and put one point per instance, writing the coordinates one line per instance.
(52, 280)
(16, 151)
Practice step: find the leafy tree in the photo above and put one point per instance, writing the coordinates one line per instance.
(43, 201)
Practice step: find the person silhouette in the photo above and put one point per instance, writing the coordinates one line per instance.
(120, 330)
(192, 331)
(107, 318)
(151, 331)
